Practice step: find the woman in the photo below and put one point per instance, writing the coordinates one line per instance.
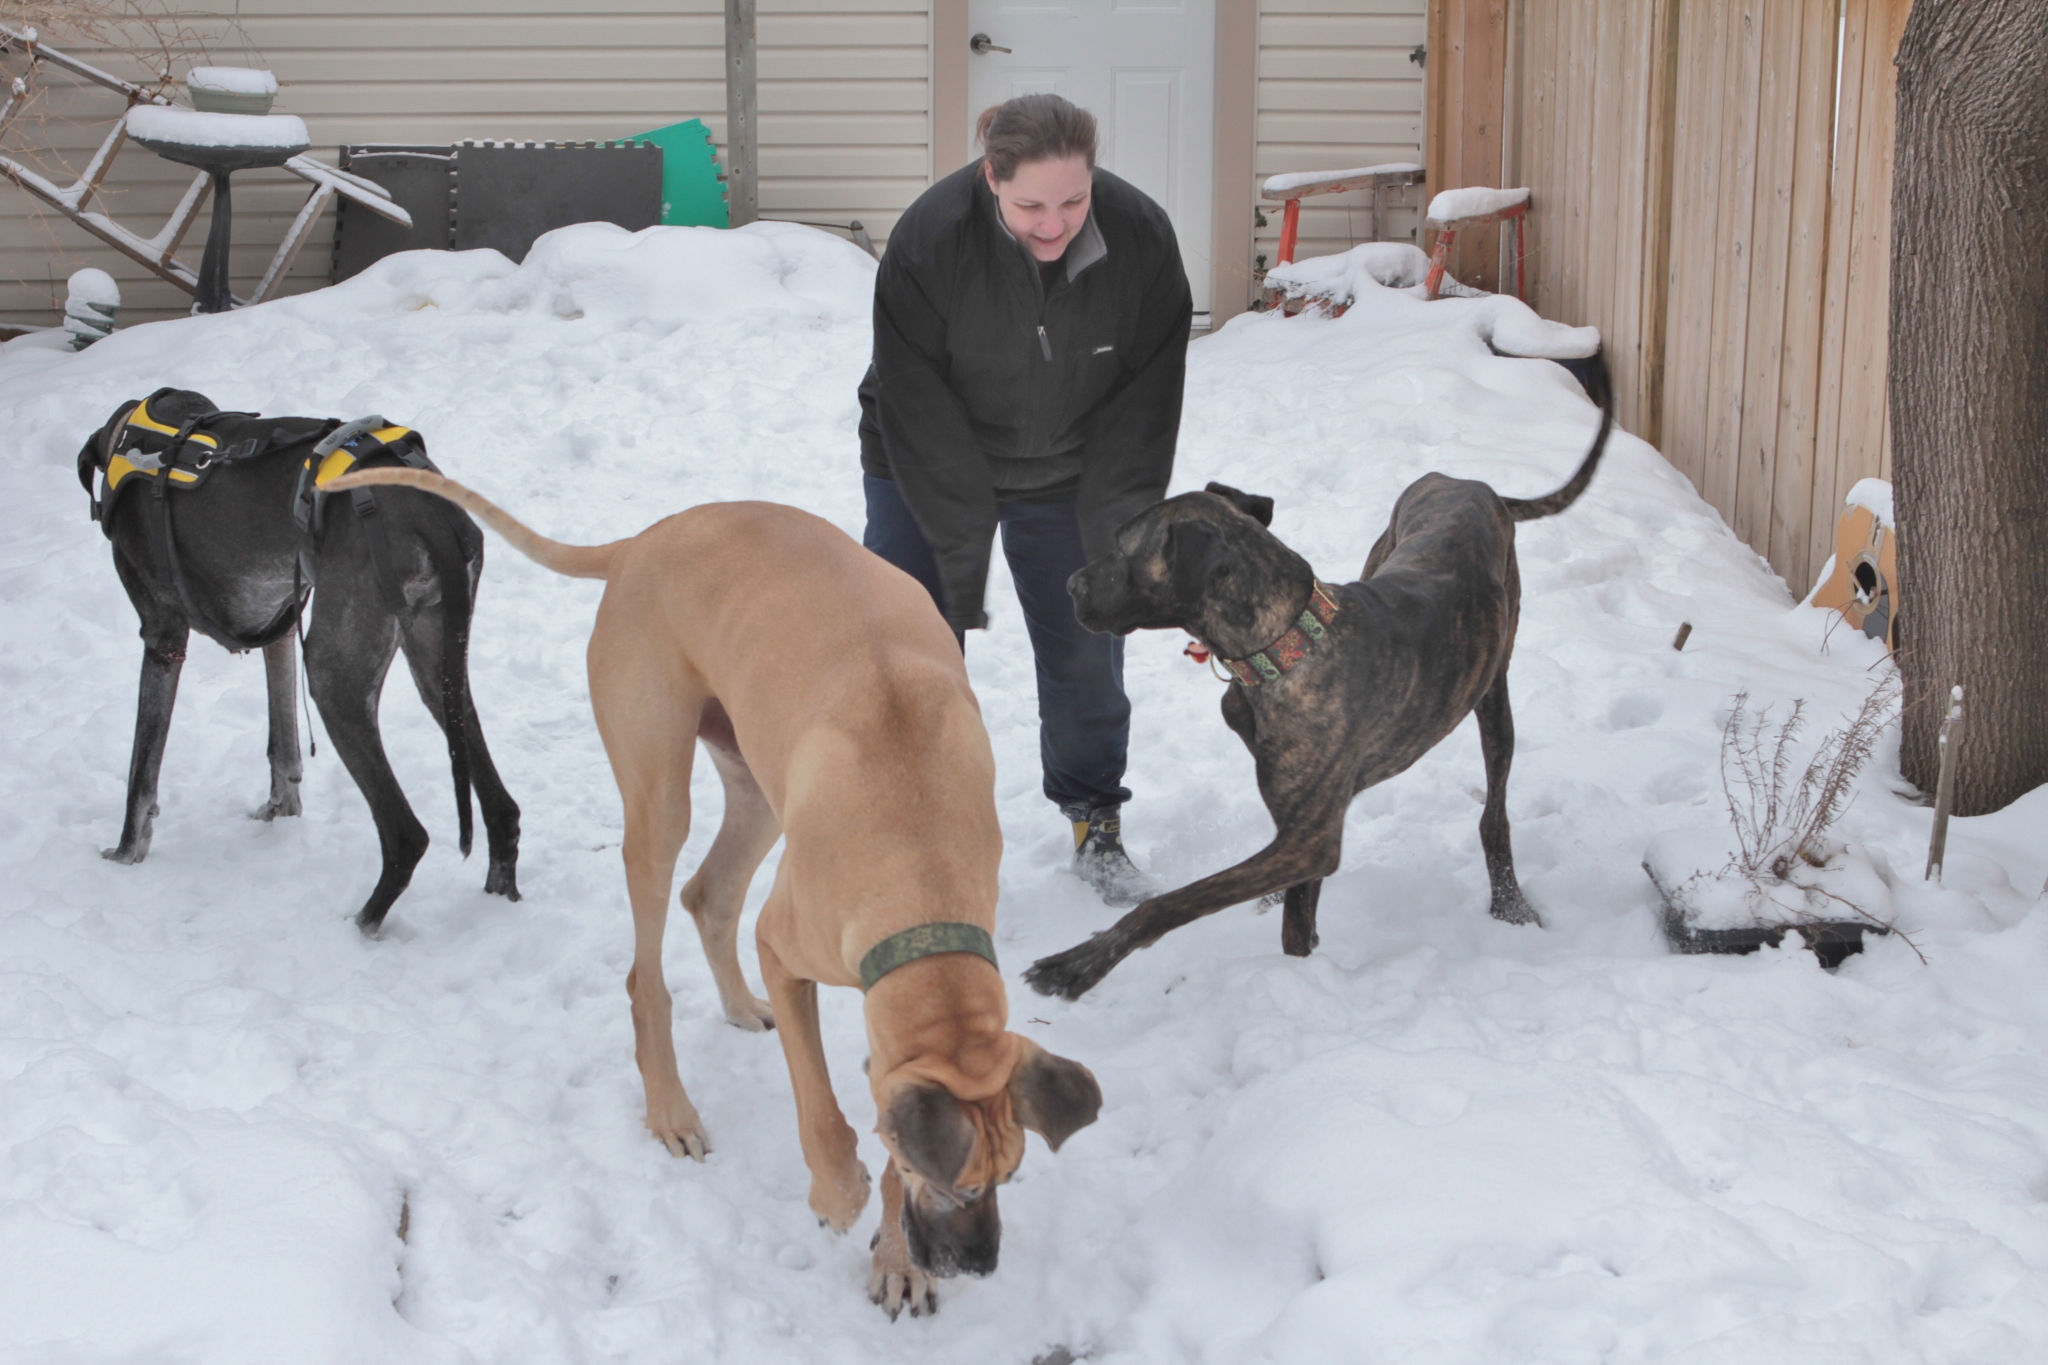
(1031, 333)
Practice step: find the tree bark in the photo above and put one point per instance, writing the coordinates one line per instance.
(1969, 390)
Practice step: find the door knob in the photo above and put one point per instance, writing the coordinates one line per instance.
(980, 43)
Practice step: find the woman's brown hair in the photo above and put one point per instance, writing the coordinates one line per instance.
(1034, 128)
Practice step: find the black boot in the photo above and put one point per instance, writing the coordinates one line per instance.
(1100, 860)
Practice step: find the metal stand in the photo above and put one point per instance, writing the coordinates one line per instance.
(1337, 182)
(1440, 258)
(159, 253)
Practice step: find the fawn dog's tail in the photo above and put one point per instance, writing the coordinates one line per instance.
(574, 561)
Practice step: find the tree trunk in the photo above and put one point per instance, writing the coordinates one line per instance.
(1969, 390)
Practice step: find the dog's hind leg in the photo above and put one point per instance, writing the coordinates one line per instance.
(718, 892)
(648, 725)
(426, 657)
(164, 637)
(1497, 742)
(281, 680)
(348, 652)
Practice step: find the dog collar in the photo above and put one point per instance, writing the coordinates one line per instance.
(924, 940)
(1284, 654)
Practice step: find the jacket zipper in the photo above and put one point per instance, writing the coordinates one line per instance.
(1043, 343)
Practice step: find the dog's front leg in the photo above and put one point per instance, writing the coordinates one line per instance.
(839, 1183)
(163, 658)
(1298, 855)
(281, 678)
(896, 1282)
(1298, 937)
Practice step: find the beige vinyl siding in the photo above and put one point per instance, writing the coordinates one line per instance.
(844, 90)
(1336, 90)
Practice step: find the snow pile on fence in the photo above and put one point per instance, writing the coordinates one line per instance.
(1504, 322)
(1474, 201)
(1439, 1139)
(1278, 186)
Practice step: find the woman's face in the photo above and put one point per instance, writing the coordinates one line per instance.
(1045, 203)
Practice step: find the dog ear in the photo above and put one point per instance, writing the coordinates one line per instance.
(930, 1132)
(1190, 545)
(1253, 505)
(1053, 1097)
(99, 447)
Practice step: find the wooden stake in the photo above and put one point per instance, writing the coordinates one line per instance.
(1945, 784)
(742, 135)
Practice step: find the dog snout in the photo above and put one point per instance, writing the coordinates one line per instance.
(964, 1240)
(1097, 589)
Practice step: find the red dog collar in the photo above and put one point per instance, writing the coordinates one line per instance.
(1284, 654)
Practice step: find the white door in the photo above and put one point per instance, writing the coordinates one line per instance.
(1145, 68)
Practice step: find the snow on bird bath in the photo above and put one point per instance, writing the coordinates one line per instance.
(198, 128)
(231, 80)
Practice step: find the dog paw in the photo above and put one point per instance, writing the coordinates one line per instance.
(1072, 974)
(284, 804)
(1513, 909)
(130, 854)
(692, 1145)
(502, 880)
(838, 1197)
(896, 1284)
(680, 1130)
(754, 1015)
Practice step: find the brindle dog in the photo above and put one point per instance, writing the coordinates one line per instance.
(1420, 642)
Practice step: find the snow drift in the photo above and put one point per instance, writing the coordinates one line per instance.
(1439, 1139)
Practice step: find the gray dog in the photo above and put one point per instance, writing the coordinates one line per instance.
(1336, 688)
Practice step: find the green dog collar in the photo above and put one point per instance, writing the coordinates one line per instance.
(924, 940)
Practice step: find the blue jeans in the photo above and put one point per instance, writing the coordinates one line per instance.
(1084, 718)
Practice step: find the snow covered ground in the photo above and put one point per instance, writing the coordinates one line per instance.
(1440, 1139)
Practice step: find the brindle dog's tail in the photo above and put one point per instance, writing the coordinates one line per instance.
(1594, 378)
(573, 561)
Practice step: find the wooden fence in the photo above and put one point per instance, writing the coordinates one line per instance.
(1712, 189)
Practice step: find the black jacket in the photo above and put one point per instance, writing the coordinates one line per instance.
(987, 384)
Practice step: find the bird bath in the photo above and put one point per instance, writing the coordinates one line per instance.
(220, 145)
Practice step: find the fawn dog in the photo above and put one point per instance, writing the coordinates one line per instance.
(835, 705)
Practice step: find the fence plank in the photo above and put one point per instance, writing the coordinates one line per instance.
(1695, 251)
(1605, 205)
(1866, 430)
(1770, 233)
(1660, 131)
(1791, 499)
(1536, 127)
(1848, 163)
(1734, 230)
(1625, 67)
